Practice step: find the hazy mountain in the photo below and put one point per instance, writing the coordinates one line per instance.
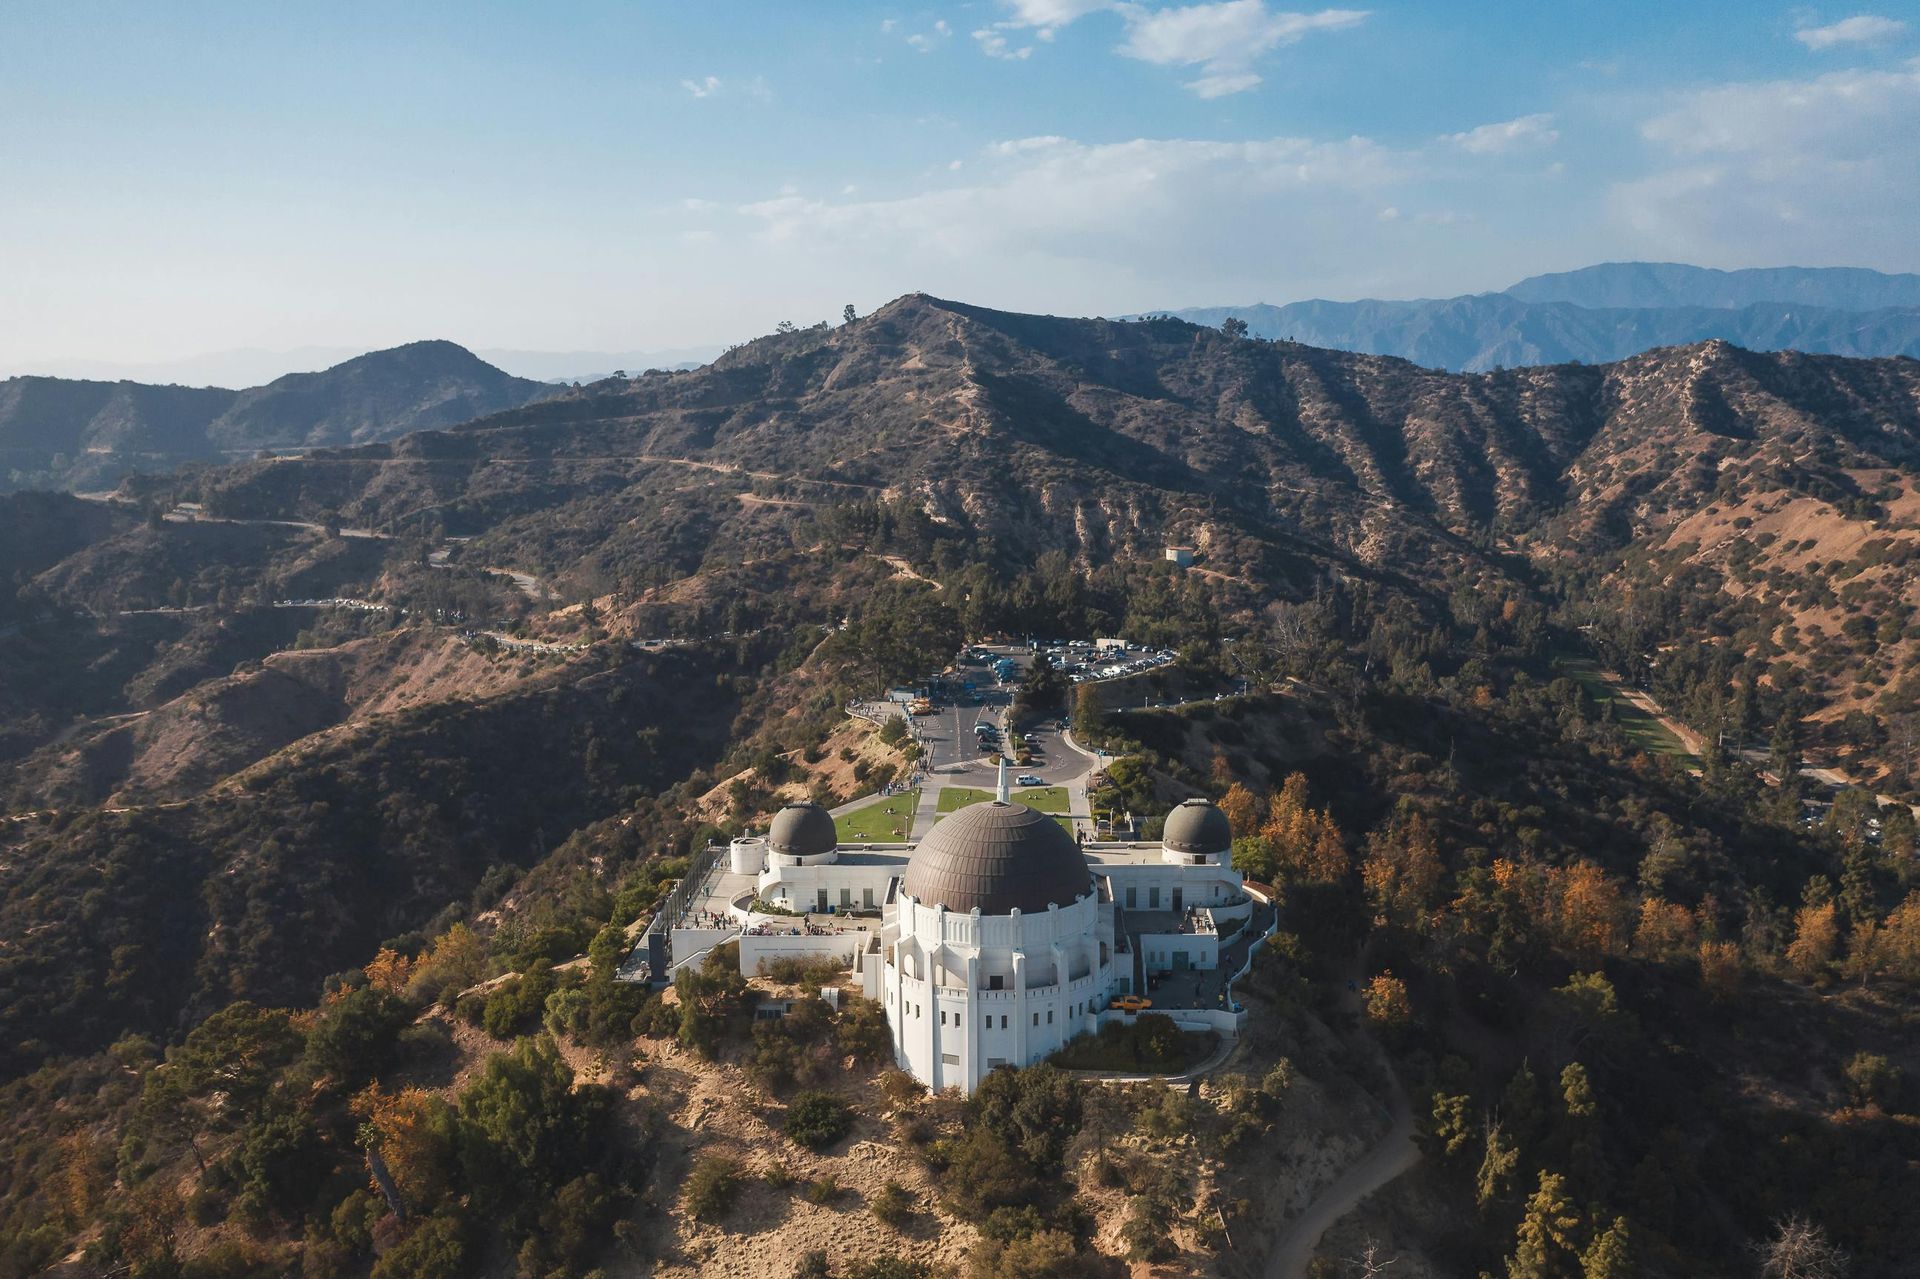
(1495, 330)
(1673, 284)
(591, 366)
(60, 433)
(1610, 312)
(256, 366)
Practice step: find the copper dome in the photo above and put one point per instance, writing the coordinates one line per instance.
(1000, 858)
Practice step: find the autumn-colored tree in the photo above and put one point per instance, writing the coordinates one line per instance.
(1720, 970)
(416, 1134)
(1816, 935)
(1665, 931)
(1388, 1006)
(1588, 912)
(1303, 840)
(456, 960)
(1242, 808)
(1402, 870)
(1899, 942)
(390, 970)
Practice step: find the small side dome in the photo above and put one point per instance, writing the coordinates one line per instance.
(1198, 829)
(802, 830)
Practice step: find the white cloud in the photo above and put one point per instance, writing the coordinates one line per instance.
(1223, 39)
(1506, 135)
(1810, 171)
(1050, 15)
(705, 87)
(1863, 28)
(994, 43)
(928, 41)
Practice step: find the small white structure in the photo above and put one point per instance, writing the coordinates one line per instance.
(1181, 556)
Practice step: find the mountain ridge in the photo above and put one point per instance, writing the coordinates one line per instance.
(66, 433)
(1608, 312)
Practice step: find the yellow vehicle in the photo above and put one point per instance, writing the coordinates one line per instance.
(921, 706)
(1132, 1003)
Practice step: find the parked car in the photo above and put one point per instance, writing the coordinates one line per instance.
(1028, 779)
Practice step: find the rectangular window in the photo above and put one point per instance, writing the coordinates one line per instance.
(1049, 1016)
(994, 980)
(1133, 898)
(846, 897)
(1003, 1021)
(866, 898)
(949, 1059)
(1036, 1019)
(1153, 898)
(943, 1017)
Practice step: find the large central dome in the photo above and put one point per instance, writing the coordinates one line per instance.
(1000, 858)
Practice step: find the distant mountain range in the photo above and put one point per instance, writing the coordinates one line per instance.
(64, 433)
(254, 366)
(1609, 312)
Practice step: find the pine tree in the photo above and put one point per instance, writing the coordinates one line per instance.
(1544, 1241)
(1610, 1255)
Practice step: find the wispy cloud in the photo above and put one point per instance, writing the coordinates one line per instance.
(994, 42)
(1784, 170)
(1862, 28)
(705, 87)
(1222, 40)
(1506, 135)
(929, 40)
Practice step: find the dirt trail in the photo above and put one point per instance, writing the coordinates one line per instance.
(1392, 1155)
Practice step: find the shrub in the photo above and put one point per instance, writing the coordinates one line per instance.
(435, 1249)
(893, 1204)
(823, 1190)
(818, 1119)
(711, 1188)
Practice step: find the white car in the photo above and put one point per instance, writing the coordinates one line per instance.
(1028, 779)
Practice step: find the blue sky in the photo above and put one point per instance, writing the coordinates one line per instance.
(191, 177)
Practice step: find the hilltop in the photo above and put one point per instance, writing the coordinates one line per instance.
(65, 433)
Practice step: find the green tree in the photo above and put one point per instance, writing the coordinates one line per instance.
(1495, 1179)
(1234, 327)
(1610, 1255)
(1544, 1243)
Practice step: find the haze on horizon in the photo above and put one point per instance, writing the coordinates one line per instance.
(594, 178)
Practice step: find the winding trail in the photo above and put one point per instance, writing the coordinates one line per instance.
(1392, 1155)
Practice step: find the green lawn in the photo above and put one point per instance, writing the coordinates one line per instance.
(1045, 799)
(884, 821)
(1642, 729)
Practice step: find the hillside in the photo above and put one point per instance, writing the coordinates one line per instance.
(525, 663)
(60, 433)
(1104, 441)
